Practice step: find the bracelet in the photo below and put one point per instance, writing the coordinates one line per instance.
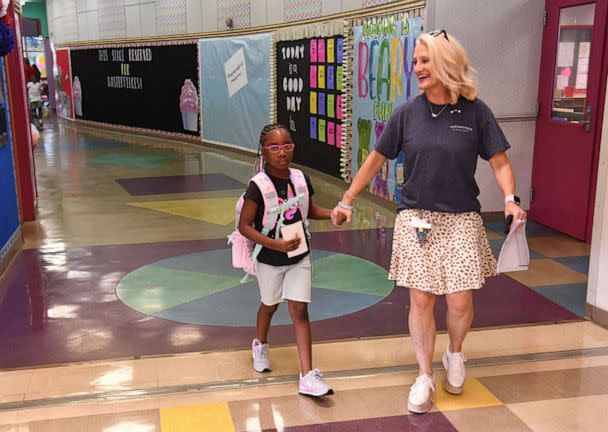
(347, 195)
(345, 206)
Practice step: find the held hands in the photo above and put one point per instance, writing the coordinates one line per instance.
(340, 215)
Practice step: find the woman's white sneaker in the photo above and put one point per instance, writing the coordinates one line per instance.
(455, 372)
(261, 358)
(421, 393)
(313, 384)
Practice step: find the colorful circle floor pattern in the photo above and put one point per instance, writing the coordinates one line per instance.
(204, 288)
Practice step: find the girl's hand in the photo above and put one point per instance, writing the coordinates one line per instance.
(283, 245)
(511, 208)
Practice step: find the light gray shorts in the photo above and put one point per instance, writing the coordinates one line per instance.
(279, 283)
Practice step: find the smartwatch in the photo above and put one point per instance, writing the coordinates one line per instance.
(513, 198)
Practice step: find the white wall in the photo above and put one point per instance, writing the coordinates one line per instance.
(503, 39)
(597, 288)
(82, 20)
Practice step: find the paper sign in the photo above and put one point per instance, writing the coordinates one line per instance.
(339, 49)
(331, 73)
(321, 50)
(339, 84)
(331, 106)
(313, 51)
(331, 133)
(313, 102)
(321, 109)
(313, 77)
(321, 81)
(565, 54)
(330, 51)
(292, 231)
(313, 128)
(339, 107)
(339, 135)
(236, 72)
(321, 130)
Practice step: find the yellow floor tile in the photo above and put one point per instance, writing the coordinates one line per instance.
(219, 211)
(475, 395)
(558, 246)
(212, 418)
(543, 272)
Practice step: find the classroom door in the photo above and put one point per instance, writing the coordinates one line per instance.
(568, 127)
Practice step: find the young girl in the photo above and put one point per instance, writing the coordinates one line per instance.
(279, 276)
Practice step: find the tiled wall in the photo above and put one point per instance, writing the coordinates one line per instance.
(171, 17)
(80, 20)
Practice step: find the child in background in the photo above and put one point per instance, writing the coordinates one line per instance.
(35, 98)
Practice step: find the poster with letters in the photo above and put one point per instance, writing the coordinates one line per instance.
(151, 87)
(383, 78)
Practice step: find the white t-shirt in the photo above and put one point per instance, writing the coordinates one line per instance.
(33, 90)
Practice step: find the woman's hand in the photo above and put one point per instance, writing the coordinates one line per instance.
(512, 209)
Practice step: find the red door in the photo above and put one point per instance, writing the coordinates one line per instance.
(566, 144)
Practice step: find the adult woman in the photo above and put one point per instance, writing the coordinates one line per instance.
(440, 246)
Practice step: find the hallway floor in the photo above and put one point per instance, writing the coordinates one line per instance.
(123, 312)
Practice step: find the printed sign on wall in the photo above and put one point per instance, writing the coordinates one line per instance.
(309, 99)
(383, 79)
(236, 72)
(147, 87)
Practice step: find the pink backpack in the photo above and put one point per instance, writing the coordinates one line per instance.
(244, 252)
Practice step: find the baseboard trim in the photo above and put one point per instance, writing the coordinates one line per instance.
(597, 315)
(10, 250)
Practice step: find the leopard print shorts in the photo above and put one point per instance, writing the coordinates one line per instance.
(455, 257)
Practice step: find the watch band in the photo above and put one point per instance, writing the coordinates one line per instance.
(513, 198)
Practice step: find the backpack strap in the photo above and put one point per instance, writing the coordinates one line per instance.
(271, 201)
(302, 193)
(271, 207)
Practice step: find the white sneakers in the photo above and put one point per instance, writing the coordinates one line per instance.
(455, 371)
(419, 400)
(421, 393)
(261, 359)
(313, 384)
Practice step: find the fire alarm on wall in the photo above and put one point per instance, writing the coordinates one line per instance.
(229, 22)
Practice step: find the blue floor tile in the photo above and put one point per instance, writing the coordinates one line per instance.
(533, 229)
(497, 244)
(578, 263)
(572, 296)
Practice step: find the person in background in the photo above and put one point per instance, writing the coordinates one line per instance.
(36, 72)
(35, 99)
(28, 70)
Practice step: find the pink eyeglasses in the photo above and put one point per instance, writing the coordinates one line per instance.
(275, 148)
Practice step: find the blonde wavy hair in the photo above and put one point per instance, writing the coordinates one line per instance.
(451, 65)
